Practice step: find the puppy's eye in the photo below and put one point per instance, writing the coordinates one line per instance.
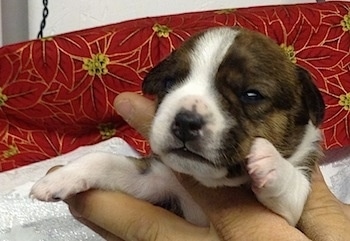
(251, 96)
(168, 83)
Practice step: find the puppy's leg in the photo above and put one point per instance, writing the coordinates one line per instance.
(276, 182)
(146, 178)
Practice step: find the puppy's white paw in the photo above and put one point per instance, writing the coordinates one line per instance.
(276, 182)
(58, 185)
(262, 166)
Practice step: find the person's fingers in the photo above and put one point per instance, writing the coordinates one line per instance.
(237, 215)
(132, 219)
(136, 110)
(346, 209)
(324, 217)
(102, 232)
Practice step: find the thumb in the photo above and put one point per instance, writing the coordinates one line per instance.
(136, 110)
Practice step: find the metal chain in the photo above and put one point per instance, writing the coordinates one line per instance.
(43, 21)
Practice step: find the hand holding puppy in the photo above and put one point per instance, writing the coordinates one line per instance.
(234, 212)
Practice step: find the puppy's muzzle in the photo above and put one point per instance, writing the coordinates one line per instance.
(187, 125)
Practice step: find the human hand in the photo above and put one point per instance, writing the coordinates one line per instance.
(234, 212)
(324, 218)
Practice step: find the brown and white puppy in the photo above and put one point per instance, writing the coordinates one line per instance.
(233, 109)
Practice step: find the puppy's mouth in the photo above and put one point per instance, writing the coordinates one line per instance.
(184, 152)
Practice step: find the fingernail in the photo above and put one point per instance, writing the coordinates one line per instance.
(74, 213)
(124, 108)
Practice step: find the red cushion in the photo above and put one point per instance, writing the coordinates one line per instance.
(56, 94)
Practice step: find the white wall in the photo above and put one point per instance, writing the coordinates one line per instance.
(14, 21)
(70, 15)
(0, 27)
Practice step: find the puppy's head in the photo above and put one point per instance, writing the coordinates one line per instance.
(218, 92)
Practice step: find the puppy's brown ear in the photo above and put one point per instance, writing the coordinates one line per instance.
(312, 97)
(155, 81)
(166, 74)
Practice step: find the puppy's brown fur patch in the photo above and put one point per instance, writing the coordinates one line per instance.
(252, 62)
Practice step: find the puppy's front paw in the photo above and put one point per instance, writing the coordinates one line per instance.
(262, 164)
(58, 185)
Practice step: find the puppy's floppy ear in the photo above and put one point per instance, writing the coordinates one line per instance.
(312, 97)
(155, 80)
(166, 74)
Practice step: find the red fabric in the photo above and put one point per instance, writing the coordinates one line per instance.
(52, 100)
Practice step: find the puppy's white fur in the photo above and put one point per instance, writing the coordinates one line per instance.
(277, 182)
(117, 173)
(197, 89)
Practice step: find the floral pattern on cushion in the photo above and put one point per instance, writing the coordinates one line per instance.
(57, 93)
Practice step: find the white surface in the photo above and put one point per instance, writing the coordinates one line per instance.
(0, 27)
(336, 174)
(69, 15)
(14, 21)
(23, 219)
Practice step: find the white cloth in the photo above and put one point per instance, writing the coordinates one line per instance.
(24, 219)
(337, 172)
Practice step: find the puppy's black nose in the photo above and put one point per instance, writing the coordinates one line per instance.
(187, 125)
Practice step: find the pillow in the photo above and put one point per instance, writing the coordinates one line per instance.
(57, 93)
